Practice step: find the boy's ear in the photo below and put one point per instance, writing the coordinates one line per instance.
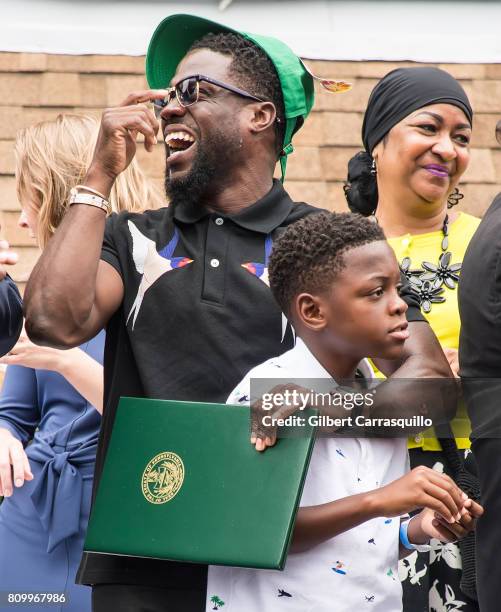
(310, 311)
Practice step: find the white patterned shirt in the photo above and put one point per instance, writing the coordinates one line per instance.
(354, 571)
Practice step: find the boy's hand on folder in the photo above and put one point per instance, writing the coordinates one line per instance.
(422, 487)
(263, 436)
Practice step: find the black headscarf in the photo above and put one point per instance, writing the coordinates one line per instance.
(399, 93)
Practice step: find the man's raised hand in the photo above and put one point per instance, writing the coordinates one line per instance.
(116, 141)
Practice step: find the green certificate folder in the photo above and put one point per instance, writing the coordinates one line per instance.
(181, 481)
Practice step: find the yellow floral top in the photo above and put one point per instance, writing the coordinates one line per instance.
(443, 317)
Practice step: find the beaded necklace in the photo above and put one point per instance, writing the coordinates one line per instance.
(428, 281)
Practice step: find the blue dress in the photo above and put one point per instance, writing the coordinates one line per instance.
(43, 524)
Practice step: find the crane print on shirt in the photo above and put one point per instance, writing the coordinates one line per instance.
(152, 264)
(261, 271)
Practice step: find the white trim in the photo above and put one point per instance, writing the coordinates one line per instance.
(441, 31)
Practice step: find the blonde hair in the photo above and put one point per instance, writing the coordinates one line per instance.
(53, 156)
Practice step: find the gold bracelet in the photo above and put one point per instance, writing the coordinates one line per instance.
(91, 190)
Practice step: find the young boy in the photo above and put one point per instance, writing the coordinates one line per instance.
(337, 280)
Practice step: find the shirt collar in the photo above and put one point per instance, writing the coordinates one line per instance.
(307, 365)
(263, 216)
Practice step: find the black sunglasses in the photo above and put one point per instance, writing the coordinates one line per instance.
(186, 92)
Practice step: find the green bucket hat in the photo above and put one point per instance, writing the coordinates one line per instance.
(175, 35)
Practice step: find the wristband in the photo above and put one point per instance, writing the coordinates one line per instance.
(77, 197)
(404, 539)
(90, 190)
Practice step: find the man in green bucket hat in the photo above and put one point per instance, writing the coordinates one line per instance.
(182, 291)
(176, 34)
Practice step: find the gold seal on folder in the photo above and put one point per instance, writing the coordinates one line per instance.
(163, 478)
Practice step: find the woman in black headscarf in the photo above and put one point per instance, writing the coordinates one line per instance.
(416, 133)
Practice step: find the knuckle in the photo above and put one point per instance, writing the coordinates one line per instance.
(420, 480)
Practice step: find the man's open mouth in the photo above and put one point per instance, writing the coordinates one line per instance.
(178, 141)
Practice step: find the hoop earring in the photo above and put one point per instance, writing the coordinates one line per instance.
(373, 167)
(454, 198)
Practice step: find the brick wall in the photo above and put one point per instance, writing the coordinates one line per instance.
(37, 86)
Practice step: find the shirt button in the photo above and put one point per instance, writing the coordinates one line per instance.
(418, 439)
(214, 263)
(219, 221)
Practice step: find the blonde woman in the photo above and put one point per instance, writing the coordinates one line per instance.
(52, 399)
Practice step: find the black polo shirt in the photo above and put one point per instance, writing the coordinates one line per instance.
(197, 315)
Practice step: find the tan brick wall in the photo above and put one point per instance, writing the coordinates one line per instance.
(34, 87)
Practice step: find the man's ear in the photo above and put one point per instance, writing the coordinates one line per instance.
(262, 116)
(309, 309)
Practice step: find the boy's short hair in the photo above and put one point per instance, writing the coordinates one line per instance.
(310, 253)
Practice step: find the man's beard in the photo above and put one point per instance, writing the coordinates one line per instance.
(213, 162)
